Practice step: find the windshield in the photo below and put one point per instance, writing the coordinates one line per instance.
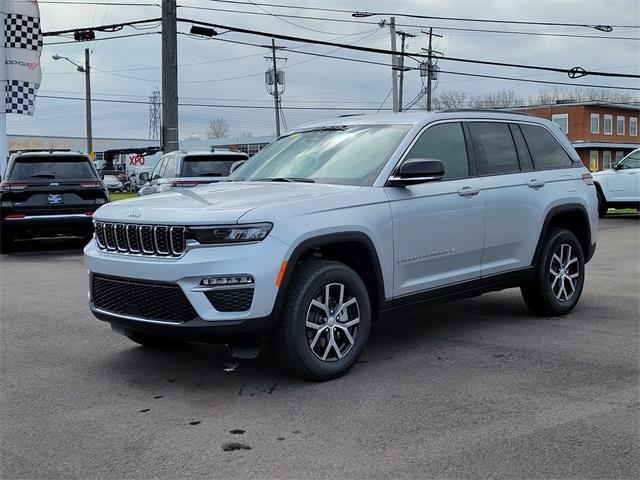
(33, 168)
(346, 155)
(209, 165)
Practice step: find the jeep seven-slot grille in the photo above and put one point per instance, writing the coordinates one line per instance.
(138, 298)
(161, 240)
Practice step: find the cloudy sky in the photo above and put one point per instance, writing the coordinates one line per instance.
(214, 72)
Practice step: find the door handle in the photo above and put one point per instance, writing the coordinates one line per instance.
(468, 191)
(536, 183)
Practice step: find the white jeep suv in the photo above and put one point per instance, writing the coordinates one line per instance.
(619, 187)
(338, 222)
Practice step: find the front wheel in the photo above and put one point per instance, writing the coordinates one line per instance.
(602, 205)
(325, 322)
(559, 276)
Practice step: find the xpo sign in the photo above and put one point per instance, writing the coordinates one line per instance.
(136, 160)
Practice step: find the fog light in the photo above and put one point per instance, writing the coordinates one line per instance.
(227, 280)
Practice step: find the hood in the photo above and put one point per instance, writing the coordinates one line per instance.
(217, 203)
(603, 173)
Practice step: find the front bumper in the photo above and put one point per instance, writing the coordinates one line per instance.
(260, 260)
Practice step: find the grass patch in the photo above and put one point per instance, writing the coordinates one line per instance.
(623, 211)
(122, 196)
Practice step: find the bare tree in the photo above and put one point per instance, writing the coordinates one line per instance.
(550, 96)
(218, 128)
(499, 99)
(450, 99)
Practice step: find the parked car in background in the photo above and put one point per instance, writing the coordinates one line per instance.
(619, 186)
(190, 169)
(112, 183)
(343, 220)
(49, 193)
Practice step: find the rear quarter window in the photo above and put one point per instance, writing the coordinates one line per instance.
(545, 150)
(57, 168)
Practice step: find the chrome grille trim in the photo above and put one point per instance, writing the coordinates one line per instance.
(147, 240)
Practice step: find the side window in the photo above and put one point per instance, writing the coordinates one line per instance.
(170, 168)
(444, 142)
(632, 161)
(526, 164)
(156, 171)
(495, 151)
(545, 149)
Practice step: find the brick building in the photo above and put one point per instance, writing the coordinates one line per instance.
(602, 133)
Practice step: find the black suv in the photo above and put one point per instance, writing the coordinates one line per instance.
(49, 193)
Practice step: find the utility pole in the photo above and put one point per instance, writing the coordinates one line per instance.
(87, 94)
(169, 77)
(403, 36)
(430, 66)
(276, 96)
(394, 65)
(273, 79)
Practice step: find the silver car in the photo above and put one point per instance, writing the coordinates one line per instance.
(340, 222)
(190, 169)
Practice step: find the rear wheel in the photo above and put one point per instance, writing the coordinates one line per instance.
(325, 322)
(559, 276)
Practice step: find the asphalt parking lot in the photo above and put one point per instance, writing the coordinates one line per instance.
(473, 389)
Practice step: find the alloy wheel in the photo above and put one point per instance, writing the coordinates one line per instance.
(332, 322)
(564, 272)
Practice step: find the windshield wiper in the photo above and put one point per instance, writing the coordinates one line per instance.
(325, 129)
(43, 175)
(286, 179)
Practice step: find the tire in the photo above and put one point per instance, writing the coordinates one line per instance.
(562, 254)
(154, 341)
(311, 329)
(6, 241)
(602, 205)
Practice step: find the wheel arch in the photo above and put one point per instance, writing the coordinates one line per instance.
(354, 249)
(573, 217)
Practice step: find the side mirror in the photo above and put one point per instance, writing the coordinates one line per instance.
(417, 170)
(101, 175)
(144, 176)
(237, 165)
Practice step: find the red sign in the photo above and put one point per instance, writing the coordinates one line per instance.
(136, 160)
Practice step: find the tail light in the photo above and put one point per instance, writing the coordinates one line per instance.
(97, 184)
(14, 216)
(183, 184)
(13, 186)
(88, 214)
(587, 178)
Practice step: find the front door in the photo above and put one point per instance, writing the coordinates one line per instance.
(623, 182)
(438, 227)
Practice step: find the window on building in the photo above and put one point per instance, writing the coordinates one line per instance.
(619, 156)
(606, 159)
(593, 160)
(633, 126)
(562, 120)
(595, 123)
(620, 125)
(608, 124)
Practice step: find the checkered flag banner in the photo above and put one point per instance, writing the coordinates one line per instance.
(22, 31)
(21, 97)
(23, 45)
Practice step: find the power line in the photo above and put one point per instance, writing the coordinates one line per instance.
(361, 14)
(115, 37)
(369, 22)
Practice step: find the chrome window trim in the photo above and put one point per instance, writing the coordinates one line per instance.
(467, 120)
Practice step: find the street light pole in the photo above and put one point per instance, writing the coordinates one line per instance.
(86, 69)
(87, 86)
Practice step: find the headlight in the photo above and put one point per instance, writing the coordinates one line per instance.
(231, 233)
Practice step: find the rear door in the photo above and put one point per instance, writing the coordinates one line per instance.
(438, 227)
(53, 185)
